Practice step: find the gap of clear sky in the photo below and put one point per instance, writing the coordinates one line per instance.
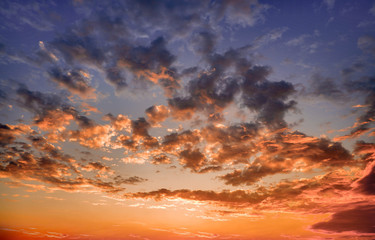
(190, 119)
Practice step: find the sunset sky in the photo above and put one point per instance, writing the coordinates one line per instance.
(184, 120)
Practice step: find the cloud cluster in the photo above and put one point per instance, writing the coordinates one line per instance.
(28, 156)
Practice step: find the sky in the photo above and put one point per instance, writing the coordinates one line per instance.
(158, 120)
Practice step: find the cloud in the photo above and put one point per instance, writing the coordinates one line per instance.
(329, 4)
(116, 77)
(28, 156)
(96, 136)
(157, 114)
(91, 166)
(140, 133)
(288, 152)
(29, 14)
(6, 135)
(326, 87)
(161, 159)
(314, 195)
(359, 219)
(237, 197)
(75, 81)
(44, 105)
(120, 122)
(297, 41)
(77, 48)
(273, 35)
(130, 180)
(356, 67)
(174, 141)
(104, 41)
(366, 87)
(232, 74)
(366, 184)
(250, 175)
(372, 10)
(367, 44)
(122, 62)
(140, 139)
(245, 13)
(270, 100)
(192, 158)
(204, 42)
(132, 45)
(236, 145)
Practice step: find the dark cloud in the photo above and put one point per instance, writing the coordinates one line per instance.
(76, 81)
(359, 219)
(192, 158)
(367, 44)
(356, 67)
(354, 87)
(45, 106)
(283, 153)
(236, 141)
(229, 74)
(305, 192)
(204, 42)
(96, 166)
(133, 44)
(115, 76)
(366, 184)
(210, 169)
(120, 60)
(327, 87)
(6, 135)
(140, 127)
(161, 159)
(184, 139)
(151, 58)
(157, 114)
(182, 108)
(105, 41)
(268, 98)
(365, 150)
(76, 47)
(227, 197)
(250, 175)
(366, 87)
(130, 180)
(43, 162)
(3, 98)
(140, 137)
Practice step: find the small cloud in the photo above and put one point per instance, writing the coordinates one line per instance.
(131, 160)
(329, 4)
(54, 198)
(372, 10)
(367, 44)
(297, 41)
